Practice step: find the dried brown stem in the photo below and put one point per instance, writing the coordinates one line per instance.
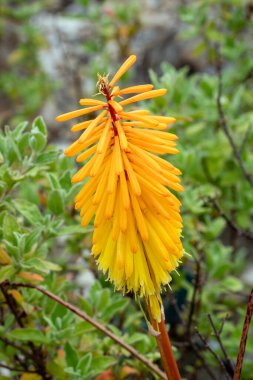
(245, 331)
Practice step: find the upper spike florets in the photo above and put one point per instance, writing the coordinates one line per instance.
(137, 223)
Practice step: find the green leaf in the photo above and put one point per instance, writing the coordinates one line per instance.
(39, 124)
(17, 133)
(33, 238)
(86, 306)
(116, 307)
(29, 210)
(84, 363)
(6, 272)
(232, 283)
(28, 334)
(56, 201)
(101, 363)
(37, 141)
(76, 229)
(102, 300)
(53, 180)
(71, 356)
(9, 226)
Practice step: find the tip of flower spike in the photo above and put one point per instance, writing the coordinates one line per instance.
(123, 68)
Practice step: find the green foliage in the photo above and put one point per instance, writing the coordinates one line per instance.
(215, 188)
(42, 243)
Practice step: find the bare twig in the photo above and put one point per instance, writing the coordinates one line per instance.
(97, 325)
(223, 323)
(224, 126)
(230, 222)
(7, 342)
(37, 353)
(202, 359)
(224, 351)
(15, 369)
(196, 289)
(245, 138)
(219, 361)
(245, 331)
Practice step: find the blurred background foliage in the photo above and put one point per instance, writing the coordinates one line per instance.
(51, 52)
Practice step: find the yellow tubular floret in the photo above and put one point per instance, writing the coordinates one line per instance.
(131, 175)
(128, 189)
(140, 220)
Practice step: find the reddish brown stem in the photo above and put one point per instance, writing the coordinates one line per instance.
(165, 348)
(245, 332)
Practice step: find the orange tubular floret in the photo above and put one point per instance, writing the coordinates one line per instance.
(126, 65)
(73, 114)
(145, 95)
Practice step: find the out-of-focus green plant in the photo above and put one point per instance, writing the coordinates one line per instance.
(217, 202)
(42, 243)
(24, 85)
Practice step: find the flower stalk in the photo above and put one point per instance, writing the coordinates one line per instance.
(164, 345)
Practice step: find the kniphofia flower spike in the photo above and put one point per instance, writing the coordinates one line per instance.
(137, 224)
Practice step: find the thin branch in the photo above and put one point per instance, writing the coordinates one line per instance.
(18, 347)
(224, 126)
(15, 369)
(245, 138)
(245, 331)
(189, 344)
(97, 325)
(230, 222)
(223, 323)
(11, 305)
(194, 296)
(204, 364)
(219, 361)
(37, 353)
(224, 351)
